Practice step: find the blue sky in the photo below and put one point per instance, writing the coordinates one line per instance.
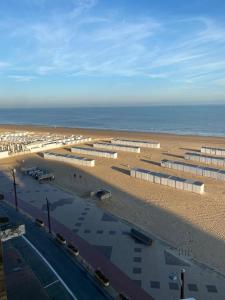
(111, 52)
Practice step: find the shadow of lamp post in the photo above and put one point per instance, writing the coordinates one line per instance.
(13, 173)
(49, 219)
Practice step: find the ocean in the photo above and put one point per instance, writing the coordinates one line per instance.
(207, 120)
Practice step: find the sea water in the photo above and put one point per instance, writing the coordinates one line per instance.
(195, 120)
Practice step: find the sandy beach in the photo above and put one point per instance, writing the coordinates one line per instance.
(192, 223)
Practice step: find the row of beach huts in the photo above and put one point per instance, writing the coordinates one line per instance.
(109, 150)
(183, 183)
(156, 177)
(96, 150)
(194, 169)
(168, 180)
(211, 160)
(19, 143)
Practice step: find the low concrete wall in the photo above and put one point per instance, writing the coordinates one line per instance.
(95, 152)
(197, 170)
(117, 147)
(213, 151)
(168, 180)
(144, 144)
(211, 160)
(76, 160)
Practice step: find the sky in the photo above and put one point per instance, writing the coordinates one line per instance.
(58, 53)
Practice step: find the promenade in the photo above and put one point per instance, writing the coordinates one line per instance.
(137, 270)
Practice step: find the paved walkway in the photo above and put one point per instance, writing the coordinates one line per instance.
(119, 280)
(146, 267)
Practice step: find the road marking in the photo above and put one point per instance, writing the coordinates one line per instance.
(51, 284)
(50, 267)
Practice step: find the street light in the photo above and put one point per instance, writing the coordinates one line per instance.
(180, 280)
(13, 172)
(182, 283)
(49, 220)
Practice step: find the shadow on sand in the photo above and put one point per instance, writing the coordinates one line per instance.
(144, 214)
(124, 171)
(173, 155)
(152, 162)
(192, 150)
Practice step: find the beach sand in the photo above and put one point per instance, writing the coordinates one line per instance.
(192, 223)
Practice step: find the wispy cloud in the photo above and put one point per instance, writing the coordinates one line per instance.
(4, 65)
(77, 41)
(21, 78)
(81, 6)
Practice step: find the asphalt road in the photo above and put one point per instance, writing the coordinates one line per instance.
(75, 278)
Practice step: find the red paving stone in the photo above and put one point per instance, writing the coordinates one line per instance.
(119, 280)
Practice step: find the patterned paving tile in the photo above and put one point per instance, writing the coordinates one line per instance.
(108, 218)
(137, 259)
(99, 231)
(81, 219)
(137, 270)
(137, 250)
(138, 282)
(78, 224)
(112, 232)
(173, 286)
(105, 250)
(211, 288)
(137, 242)
(172, 260)
(87, 231)
(155, 284)
(58, 203)
(192, 287)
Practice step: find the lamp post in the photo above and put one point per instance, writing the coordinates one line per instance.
(13, 171)
(182, 283)
(49, 220)
(180, 280)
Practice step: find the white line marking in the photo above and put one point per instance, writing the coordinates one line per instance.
(50, 267)
(51, 284)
